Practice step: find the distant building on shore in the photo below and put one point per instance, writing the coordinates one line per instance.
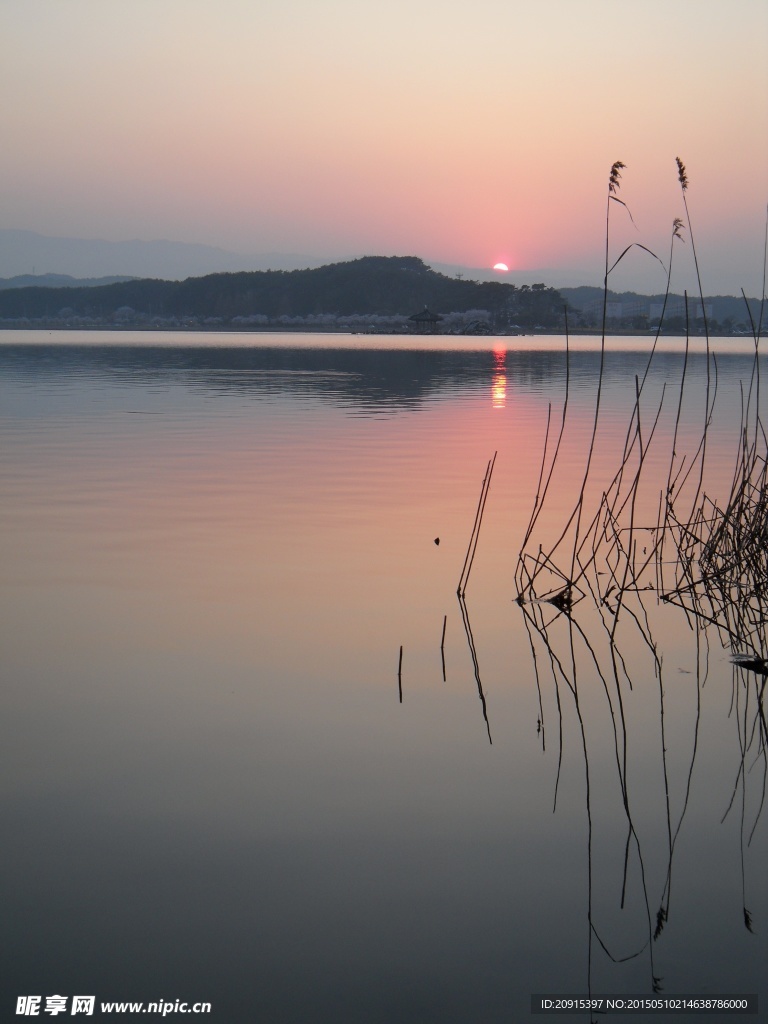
(425, 322)
(652, 310)
(677, 308)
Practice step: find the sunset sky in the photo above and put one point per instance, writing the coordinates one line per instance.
(464, 133)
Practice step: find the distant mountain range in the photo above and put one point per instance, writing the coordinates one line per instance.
(372, 285)
(31, 255)
(725, 310)
(57, 281)
(147, 277)
(26, 252)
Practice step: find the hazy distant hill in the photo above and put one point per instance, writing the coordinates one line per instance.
(720, 308)
(26, 252)
(57, 281)
(370, 285)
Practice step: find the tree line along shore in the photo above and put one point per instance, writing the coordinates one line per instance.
(373, 294)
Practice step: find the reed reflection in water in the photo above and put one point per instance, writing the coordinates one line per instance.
(212, 556)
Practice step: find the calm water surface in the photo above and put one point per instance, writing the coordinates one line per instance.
(213, 550)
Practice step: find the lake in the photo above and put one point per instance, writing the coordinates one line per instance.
(257, 750)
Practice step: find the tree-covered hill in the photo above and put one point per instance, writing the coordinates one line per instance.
(370, 285)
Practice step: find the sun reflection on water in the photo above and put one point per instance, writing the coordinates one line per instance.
(499, 381)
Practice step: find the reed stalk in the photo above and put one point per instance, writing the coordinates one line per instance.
(475, 535)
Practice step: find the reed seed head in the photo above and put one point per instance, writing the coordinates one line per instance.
(677, 229)
(613, 181)
(682, 177)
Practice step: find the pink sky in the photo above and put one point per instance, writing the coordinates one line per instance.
(464, 134)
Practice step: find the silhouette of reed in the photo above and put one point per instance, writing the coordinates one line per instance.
(475, 535)
(462, 588)
(442, 646)
(586, 534)
(475, 664)
(577, 659)
(594, 590)
(722, 582)
(704, 554)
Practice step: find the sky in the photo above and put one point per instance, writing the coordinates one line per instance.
(463, 133)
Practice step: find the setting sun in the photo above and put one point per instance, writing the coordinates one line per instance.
(501, 267)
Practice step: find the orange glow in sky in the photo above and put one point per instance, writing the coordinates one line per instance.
(342, 129)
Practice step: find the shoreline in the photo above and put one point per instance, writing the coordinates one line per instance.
(348, 331)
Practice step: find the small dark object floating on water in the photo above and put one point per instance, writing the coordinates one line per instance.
(563, 600)
(759, 665)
